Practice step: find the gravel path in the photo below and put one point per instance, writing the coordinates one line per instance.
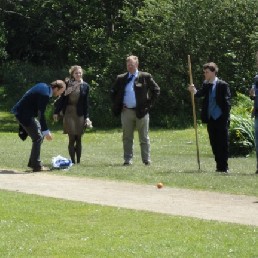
(199, 204)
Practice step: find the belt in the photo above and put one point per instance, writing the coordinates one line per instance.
(128, 107)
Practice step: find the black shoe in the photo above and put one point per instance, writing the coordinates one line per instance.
(256, 172)
(147, 163)
(40, 169)
(226, 171)
(127, 163)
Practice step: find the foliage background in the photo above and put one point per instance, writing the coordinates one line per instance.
(40, 40)
(242, 140)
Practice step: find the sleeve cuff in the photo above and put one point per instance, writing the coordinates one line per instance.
(45, 132)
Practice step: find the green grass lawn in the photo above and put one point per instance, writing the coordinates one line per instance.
(173, 156)
(32, 226)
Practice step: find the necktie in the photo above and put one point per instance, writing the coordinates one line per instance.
(209, 85)
(130, 78)
(214, 110)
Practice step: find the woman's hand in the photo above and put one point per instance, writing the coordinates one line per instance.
(88, 123)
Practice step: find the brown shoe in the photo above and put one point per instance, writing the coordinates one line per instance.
(40, 169)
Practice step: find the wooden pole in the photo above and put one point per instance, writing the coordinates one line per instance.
(194, 112)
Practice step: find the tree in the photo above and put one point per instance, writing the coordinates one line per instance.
(99, 35)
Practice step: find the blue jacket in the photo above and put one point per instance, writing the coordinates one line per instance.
(33, 104)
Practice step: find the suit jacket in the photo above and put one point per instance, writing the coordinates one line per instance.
(222, 99)
(82, 107)
(146, 92)
(33, 104)
(255, 99)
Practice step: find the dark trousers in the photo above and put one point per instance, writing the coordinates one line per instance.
(34, 132)
(219, 140)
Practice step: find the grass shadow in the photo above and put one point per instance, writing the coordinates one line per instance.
(245, 174)
(106, 164)
(197, 171)
(4, 171)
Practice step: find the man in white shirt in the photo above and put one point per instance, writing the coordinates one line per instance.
(216, 113)
(133, 94)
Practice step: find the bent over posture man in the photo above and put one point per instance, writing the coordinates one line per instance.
(32, 106)
(133, 94)
(215, 112)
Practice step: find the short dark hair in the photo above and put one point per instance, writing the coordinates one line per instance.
(58, 84)
(211, 66)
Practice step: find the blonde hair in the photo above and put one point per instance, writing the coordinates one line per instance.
(73, 69)
(133, 58)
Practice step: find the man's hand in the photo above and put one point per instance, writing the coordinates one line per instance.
(49, 137)
(192, 88)
(252, 92)
(55, 117)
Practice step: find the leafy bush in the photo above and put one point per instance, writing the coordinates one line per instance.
(18, 77)
(242, 141)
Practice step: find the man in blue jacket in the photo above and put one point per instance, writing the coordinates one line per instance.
(30, 112)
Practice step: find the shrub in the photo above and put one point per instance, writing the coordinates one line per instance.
(18, 77)
(242, 141)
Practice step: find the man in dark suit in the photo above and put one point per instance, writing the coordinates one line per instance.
(32, 106)
(254, 96)
(133, 94)
(216, 113)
